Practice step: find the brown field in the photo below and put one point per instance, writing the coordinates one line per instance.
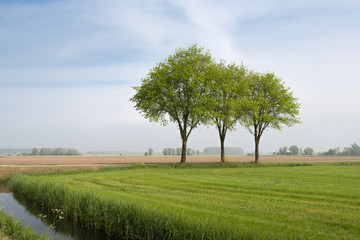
(13, 165)
(109, 160)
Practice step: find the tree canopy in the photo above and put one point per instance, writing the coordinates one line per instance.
(189, 88)
(175, 89)
(271, 105)
(226, 98)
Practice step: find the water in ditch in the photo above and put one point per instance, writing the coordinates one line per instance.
(29, 215)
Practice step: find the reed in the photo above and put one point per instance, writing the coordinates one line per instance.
(13, 229)
(123, 220)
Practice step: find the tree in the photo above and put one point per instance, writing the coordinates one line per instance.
(332, 151)
(188, 151)
(165, 151)
(294, 150)
(354, 150)
(35, 151)
(178, 151)
(150, 151)
(72, 151)
(283, 151)
(59, 151)
(308, 151)
(226, 98)
(46, 152)
(271, 105)
(174, 90)
(228, 150)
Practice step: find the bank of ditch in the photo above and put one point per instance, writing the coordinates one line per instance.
(12, 229)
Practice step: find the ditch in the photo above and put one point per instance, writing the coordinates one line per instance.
(29, 215)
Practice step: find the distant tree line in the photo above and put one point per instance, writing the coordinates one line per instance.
(178, 151)
(149, 152)
(228, 150)
(52, 152)
(353, 150)
(295, 150)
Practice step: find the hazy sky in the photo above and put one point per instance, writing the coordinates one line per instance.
(67, 67)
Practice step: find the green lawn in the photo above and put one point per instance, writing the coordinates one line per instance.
(279, 202)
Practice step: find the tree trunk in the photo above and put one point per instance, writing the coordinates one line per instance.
(183, 150)
(222, 133)
(257, 140)
(222, 140)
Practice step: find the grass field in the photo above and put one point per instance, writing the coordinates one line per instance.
(240, 202)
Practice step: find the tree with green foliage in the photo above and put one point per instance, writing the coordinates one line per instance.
(35, 152)
(332, 151)
(72, 151)
(271, 104)
(46, 152)
(150, 151)
(178, 151)
(174, 91)
(308, 151)
(294, 150)
(283, 151)
(353, 150)
(226, 98)
(165, 151)
(188, 151)
(59, 151)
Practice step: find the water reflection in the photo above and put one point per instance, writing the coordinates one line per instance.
(10, 205)
(29, 215)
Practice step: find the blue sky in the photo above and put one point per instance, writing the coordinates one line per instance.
(67, 67)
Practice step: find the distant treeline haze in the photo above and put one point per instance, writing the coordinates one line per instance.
(178, 151)
(228, 151)
(52, 152)
(353, 150)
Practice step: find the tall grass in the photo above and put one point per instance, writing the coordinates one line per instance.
(196, 202)
(117, 220)
(3, 181)
(13, 229)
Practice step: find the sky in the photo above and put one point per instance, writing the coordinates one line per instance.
(67, 68)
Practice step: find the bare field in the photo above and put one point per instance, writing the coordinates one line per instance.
(89, 160)
(13, 165)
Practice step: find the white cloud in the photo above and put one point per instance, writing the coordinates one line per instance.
(67, 67)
